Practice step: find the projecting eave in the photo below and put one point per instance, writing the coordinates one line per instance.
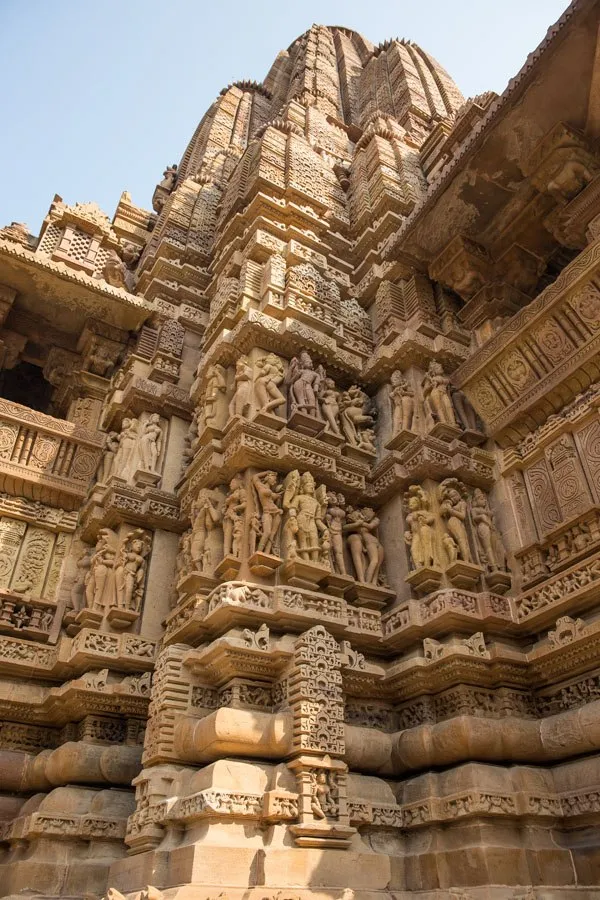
(478, 191)
(64, 296)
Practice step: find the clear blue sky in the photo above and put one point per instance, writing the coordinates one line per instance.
(99, 95)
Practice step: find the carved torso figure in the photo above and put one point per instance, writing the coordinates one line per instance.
(240, 402)
(108, 457)
(127, 452)
(330, 404)
(97, 593)
(488, 538)
(130, 570)
(402, 398)
(436, 395)
(365, 548)
(420, 533)
(207, 514)
(233, 516)
(336, 519)
(150, 443)
(216, 385)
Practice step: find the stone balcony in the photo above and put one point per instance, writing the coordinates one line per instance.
(46, 459)
(544, 356)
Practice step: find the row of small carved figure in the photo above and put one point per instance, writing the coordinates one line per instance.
(457, 511)
(137, 446)
(294, 518)
(112, 575)
(349, 415)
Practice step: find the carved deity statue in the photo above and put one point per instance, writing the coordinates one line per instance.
(488, 539)
(453, 508)
(240, 402)
(126, 455)
(190, 443)
(130, 571)
(207, 513)
(303, 382)
(324, 795)
(436, 395)
(309, 506)
(402, 398)
(336, 519)
(330, 405)
(356, 416)
(365, 547)
(420, 532)
(233, 517)
(150, 443)
(269, 375)
(111, 447)
(216, 385)
(268, 496)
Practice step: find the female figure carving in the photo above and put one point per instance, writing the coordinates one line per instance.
(108, 458)
(304, 382)
(130, 570)
(101, 566)
(240, 402)
(207, 513)
(216, 386)
(402, 398)
(126, 453)
(233, 511)
(485, 529)
(330, 404)
(151, 443)
(420, 534)
(436, 395)
(336, 518)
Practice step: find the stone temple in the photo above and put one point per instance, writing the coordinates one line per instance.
(300, 498)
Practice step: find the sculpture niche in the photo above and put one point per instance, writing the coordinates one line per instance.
(115, 578)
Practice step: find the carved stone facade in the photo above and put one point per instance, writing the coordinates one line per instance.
(300, 530)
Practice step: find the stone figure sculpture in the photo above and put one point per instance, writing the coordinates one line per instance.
(207, 513)
(268, 497)
(335, 519)
(100, 360)
(269, 375)
(324, 801)
(97, 594)
(233, 517)
(402, 398)
(130, 570)
(216, 385)
(436, 395)
(420, 532)
(309, 505)
(79, 582)
(365, 548)
(150, 443)
(488, 539)
(126, 454)
(329, 397)
(453, 508)
(113, 270)
(303, 382)
(240, 402)
(355, 415)
(111, 448)
(466, 415)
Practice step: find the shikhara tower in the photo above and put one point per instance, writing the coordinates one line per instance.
(300, 495)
